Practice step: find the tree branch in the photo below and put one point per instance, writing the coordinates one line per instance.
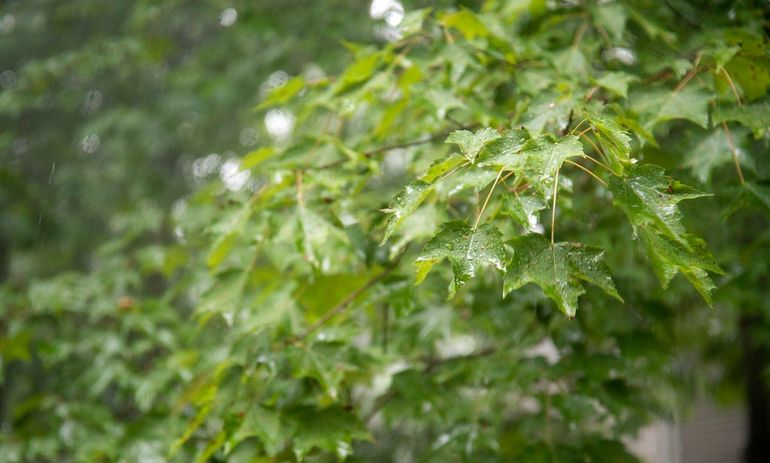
(352, 296)
(385, 148)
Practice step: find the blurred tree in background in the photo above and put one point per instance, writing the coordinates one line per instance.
(185, 277)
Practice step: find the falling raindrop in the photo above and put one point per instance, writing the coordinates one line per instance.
(233, 177)
(314, 72)
(7, 24)
(277, 79)
(92, 102)
(623, 55)
(90, 143)
(279, 123)
(205, 166)
(395, 15)
(7, 79)
(228, 16)
(19, 146)
(50, 176)
(248, 137)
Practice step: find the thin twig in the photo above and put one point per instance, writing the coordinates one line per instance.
(352, 296)
(486, 201)
(690, 74)
(300, 195)
(732, 85)
(569, 121)
(579, 34)
(583, 132)
(599, 163)
(591, 92)
(507, 176)
(578, 125)
(734, 152)
(385, 148)
(553, 208)
(588, 171)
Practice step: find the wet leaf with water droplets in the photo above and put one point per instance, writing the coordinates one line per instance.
(558, 269)
(538, 160)
(668, 257)
(441, 167)
(523, 209)
(467, 250)
(331, 429)
(649, 198)
(404, 204)
(471, 143)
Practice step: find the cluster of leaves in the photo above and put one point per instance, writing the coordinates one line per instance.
(547, 111)
(524, 142)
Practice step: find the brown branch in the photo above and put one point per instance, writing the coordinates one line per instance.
(690, 74)
(386, 148)
(352, 296)
(734, 152)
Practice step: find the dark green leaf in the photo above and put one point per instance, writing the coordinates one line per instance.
(467, 250)
(558, 270)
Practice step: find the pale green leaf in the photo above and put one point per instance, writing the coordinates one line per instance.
(616, 82)
(469, 179)
(467, 22)
(325, 246)
(442, 166)
(659, 106)
(713, 151)
(360, 71)
(404, 204)
(471, 143)
(755, 116)
(284, 93)
(256, 157)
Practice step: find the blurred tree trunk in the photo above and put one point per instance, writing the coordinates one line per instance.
(756, 358)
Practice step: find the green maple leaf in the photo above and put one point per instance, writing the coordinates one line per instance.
(538, 160)
(466, 248)
(713, 151)
(474, 179)
(755, 116)
(325, 246)
(331, 429)
(264, 424)
(660, 106)
(523, 209)
(441, 167)
(616, 142)
(668, 257)
(616, 82)
(404, 204)
(471, 143)
(558, 269)
(649, 198)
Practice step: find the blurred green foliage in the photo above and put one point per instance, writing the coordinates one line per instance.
(205, 259)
